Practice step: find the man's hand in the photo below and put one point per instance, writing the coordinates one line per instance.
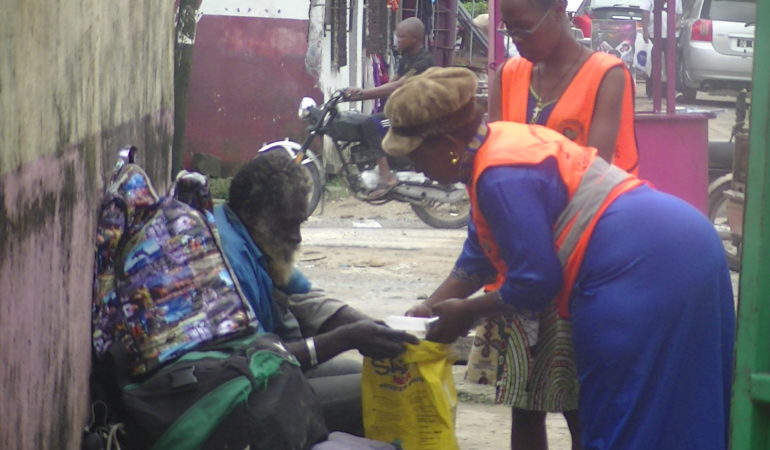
(352, 93)
(421, 310)
(377, 340)
(456, 318)
(646, 35)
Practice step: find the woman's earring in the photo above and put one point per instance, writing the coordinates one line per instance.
(454, 159)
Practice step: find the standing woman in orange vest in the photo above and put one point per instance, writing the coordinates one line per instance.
(641, 274)
(558, 82)
(588, 97)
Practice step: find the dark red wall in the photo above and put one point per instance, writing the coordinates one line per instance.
(247, 79)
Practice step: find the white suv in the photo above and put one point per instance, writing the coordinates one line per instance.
(716, 46)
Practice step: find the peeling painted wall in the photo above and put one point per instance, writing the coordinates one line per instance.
(78, 79)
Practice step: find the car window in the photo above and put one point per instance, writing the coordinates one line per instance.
(595, 4)
(692, 9)
(573, 5)
(617, 13)
(730, 11)
(583, 8)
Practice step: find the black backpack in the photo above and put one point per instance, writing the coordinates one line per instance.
(248, 393)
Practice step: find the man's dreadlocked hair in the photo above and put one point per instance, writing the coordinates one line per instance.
(265, 185)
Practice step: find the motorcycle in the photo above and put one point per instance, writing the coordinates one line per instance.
(440, 206)
(728, 162)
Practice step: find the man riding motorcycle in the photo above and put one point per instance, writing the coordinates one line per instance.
(415, 59)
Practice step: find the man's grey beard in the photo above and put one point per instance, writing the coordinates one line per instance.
(280, 254)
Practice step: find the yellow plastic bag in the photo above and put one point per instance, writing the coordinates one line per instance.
(411, 400)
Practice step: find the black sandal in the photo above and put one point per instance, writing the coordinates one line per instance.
(381, 191)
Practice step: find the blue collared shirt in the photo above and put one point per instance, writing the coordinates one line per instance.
(249, 264)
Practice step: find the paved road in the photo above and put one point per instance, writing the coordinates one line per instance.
(721, 105)
(397, 238)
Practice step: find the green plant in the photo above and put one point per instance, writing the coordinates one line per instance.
(219, 187)
(476, 7)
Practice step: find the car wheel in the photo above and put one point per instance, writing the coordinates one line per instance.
(687, 94)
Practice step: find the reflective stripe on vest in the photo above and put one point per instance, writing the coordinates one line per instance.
(597, 183)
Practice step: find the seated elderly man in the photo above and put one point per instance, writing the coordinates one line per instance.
(260, 232)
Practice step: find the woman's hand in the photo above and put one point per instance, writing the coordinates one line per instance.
(421, 310)
(456, 318)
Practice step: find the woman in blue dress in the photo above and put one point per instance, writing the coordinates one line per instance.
(641, 274)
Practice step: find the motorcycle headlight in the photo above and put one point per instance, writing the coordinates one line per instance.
(305, 106)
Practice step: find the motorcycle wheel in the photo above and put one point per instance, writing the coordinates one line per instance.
(718, 217)
(316, 186)
(444, 215)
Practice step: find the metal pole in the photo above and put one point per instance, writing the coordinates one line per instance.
(657, 48)
(471, 35)
(671, 57)
(183, 52)
(495, 52)
(750, 428)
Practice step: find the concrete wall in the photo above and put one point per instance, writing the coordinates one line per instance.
(78, 79)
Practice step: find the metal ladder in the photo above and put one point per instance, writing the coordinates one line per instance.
(443, 29)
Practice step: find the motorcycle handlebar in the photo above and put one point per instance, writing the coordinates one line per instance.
(328, 108)
(339, 95)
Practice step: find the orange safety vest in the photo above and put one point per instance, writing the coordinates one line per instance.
(573, 113)
(592, 185)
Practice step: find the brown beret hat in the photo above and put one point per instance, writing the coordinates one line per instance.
(423, 100)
